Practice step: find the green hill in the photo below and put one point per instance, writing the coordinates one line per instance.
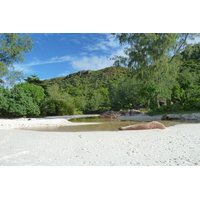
(90, 79)
(88, 90)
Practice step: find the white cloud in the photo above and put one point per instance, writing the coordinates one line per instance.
(109, 45)
(104, 44)
(59, 59)
(24, 69)
(92, 63)
(196, 40)
(96, 62)
(112, 41)
(118, 52)
(55, 59)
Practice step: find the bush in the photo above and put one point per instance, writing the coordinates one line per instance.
(4, 98)
(192, 105)
(78, 112)
(57, 107)
(34, 91)
(21, 105)
(20, 101)
(16, 103)
(153, 104)
(169, 108)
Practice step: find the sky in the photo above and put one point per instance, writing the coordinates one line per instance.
(59, 54)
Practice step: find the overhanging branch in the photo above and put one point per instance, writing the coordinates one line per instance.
(179, 47)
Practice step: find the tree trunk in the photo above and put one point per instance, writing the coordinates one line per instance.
(148, 103)
(157, 100)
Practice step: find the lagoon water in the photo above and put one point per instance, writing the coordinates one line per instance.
(104, 125)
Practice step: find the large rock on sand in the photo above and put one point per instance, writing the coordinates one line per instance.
(150, 125)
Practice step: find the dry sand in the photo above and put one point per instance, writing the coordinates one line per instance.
(36, 122)
(176, 145)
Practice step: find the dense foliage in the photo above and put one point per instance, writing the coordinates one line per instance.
(57, 107)
(186, 92)
(165, 67)
(22, 100)
(154, 57)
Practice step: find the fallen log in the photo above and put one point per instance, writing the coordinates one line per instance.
(149, 125)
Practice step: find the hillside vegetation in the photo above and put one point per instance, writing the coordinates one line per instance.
(87, 91)
(87, 79)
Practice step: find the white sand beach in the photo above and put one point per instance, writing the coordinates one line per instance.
(39, 122)
(175, 145)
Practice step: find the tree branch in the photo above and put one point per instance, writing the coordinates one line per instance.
(179, 47)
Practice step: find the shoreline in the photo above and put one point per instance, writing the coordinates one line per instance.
(147, 118)
(177, 145)
(57, 121)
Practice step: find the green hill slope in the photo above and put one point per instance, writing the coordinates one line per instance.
(90, 79)
(88, 90)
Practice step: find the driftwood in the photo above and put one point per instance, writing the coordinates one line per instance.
(150, 125)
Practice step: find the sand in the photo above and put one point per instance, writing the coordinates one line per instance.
(173, 146)
(36, 122)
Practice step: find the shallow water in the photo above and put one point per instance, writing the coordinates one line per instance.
(106, 125)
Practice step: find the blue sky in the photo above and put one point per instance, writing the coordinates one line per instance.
(60, 54)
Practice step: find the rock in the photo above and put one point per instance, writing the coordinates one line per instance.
(192, 116)
(150, 125)
(127, 113)
(115, 114)
(134, 112)
(110, 114)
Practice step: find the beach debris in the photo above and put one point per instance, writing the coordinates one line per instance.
(149, 125)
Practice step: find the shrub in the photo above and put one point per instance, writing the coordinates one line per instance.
(20, 104)
(57, 107)
(4, 104)
(34, 91)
